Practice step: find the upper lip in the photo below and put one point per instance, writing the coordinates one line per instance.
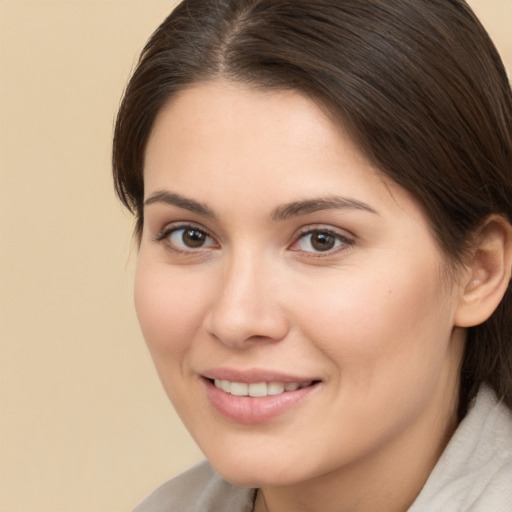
(253, 375)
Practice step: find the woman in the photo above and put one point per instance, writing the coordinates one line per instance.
(322, 194)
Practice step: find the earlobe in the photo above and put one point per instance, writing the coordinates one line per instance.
(488, 272)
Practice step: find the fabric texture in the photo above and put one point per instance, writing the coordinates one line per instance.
(198, 489)
(474, 473)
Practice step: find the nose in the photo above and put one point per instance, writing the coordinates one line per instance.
(246, 306)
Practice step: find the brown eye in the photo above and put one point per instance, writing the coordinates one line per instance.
(321, 241)
(193, 238)
(188, 238)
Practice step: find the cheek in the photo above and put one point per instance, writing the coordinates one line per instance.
(169, 310)
(381, 325)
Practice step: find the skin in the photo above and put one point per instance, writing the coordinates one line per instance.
(372, 318)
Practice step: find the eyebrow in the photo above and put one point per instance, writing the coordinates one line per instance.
(307, 206)
(162, 196)
(283, 212)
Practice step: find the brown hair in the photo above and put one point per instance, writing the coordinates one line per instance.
(418, 83)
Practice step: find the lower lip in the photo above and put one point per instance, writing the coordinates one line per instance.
(250, 410)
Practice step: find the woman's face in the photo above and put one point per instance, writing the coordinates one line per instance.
(276, 261)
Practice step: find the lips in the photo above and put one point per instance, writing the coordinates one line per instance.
(255, 396)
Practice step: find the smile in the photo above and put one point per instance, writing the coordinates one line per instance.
(258, 389)
(264, 398)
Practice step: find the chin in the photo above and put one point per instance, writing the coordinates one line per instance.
(251, 478)
(257, 472)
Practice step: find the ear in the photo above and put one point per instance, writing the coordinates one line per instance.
(487, 273)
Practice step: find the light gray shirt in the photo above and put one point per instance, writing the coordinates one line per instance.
(474, 473)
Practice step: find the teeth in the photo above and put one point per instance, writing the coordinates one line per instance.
(239, 389)
(275, 388)
(258, 389)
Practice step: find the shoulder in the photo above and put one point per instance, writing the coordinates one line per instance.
(199, 489)
(474, 473)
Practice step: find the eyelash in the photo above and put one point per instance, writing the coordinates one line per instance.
(167, 232)
(343, 242)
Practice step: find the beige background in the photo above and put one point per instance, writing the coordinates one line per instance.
(84, 425)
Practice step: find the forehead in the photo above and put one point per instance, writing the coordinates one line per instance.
(224, 144)
(223, 127)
